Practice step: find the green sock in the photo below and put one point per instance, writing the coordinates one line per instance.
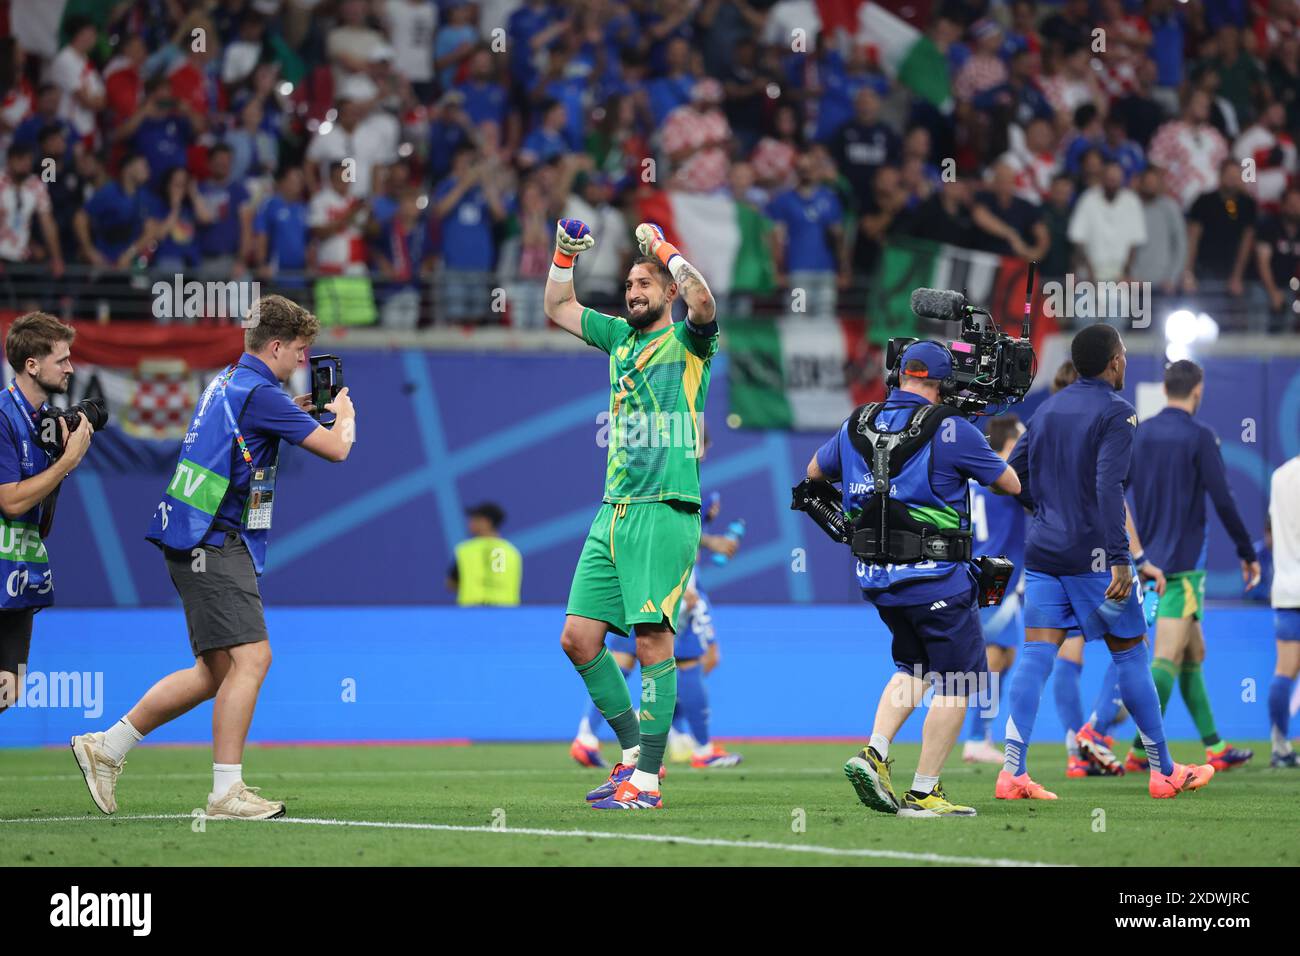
(1165, 674)
(658, 701)
(1192, 683)
(608, 689)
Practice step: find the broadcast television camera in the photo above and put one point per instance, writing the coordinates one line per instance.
(989, 367)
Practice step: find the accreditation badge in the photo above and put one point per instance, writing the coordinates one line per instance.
(261, 498)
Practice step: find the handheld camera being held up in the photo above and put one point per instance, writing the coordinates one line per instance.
(989, 367)
(326, 383)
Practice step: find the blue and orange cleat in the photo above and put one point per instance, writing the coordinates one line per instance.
(1228, 758)
(1136, 762)
(620, 773)
(716, 757)
(1077, 767)
(587, 756)
(1095, 748)
(628, 797)
(1186, 777)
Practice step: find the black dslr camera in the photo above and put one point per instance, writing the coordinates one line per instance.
(326, 382)
(47, 426)
(989, 367)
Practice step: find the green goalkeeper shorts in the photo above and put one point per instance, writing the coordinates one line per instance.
(1184, 596)
(635, 564)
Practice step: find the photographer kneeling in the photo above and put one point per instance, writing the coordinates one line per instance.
(212, 526)
(36, 454)
(919, 577)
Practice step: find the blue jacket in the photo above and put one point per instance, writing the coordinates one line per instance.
(1178, 462)
(1073, 463)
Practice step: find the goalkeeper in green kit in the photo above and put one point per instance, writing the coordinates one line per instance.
(638, 555)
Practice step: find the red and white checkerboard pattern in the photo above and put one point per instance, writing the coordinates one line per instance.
(164, 398)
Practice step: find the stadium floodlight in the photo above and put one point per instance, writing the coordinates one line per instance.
(1185, 329)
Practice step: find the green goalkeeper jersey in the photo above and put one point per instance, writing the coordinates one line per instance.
(658, 382)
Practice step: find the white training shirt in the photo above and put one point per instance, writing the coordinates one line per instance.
(1284, 513)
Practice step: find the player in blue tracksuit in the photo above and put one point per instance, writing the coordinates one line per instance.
(998, 528)
(1074, 462)
(1179, 465)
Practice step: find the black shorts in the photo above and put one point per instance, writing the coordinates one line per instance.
(942, 642)
(15, 638)
(223, 606)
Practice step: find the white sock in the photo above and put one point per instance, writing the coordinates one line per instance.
(703, 750)
(120, 738)
(584, 728)
(588, 739)
(649, 782)
(631, 755)
(880, 744)
(1281, 745)
(923, 784)
(225, 776)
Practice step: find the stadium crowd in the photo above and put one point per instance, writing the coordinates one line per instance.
(329, 148)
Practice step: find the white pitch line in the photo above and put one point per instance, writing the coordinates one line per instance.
(598, 835)
(454, 772)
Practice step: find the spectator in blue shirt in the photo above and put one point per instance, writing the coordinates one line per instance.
(809, 240)
(224, 240)
(864, 144)
(404, 254)
(159, 131)
(1120, 149)
(548, 140)
(280, 231)
(840, 84)
(672, 88)
(455, 40)
(1088, 134)
(28, 132)
(253, 150)
(485, 97)
(467, 204)
(112, 227)
(531, 29)
(450, 128)
(177, 213)
(1019, 100)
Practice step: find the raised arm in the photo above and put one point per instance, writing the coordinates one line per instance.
(572, 236)
(701, 308)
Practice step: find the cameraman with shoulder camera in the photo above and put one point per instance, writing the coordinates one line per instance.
(32, 466)
(212, 526)
(924, 590)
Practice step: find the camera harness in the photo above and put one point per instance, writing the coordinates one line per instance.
(886, 531)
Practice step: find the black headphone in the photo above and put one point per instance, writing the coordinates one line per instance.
(947, 386)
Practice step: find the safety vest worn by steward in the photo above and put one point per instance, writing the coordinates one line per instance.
(916, 507)
(203, 474)
(25, 578)
(489, 572)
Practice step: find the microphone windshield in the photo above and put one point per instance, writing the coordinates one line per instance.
(938, 304)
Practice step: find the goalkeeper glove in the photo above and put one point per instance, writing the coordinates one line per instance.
(572, 236)
(652, 242)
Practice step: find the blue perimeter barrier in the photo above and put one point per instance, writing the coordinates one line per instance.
(426, 673)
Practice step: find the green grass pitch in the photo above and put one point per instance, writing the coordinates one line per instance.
(522, 804)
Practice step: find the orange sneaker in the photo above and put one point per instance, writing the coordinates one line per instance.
(1133, 763)
(1185, 777)
(1020, 788)
(628, 797)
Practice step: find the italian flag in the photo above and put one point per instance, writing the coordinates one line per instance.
(994, 282)
(904, 52)
(797, 373)
(725, 240)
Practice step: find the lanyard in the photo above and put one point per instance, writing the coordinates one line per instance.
(22, 410)
(230, 415)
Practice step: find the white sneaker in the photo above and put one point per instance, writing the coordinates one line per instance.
(981, 752)
(242, 803)
(98, 769)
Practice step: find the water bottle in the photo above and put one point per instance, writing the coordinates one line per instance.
(735, 531)
(1150, 602)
